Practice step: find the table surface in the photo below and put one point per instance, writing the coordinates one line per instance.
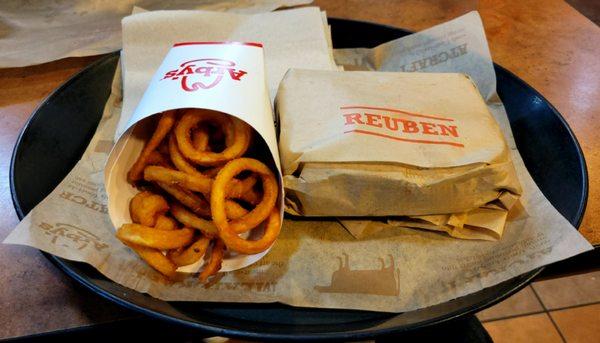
(547, 43)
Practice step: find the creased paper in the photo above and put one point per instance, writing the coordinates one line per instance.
(35, 32)
(313, 263)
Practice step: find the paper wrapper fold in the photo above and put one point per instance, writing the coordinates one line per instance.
(313, 263)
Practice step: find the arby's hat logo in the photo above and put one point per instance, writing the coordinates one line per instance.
(204, 73)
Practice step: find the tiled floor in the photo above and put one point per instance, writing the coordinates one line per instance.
(566, 309)
(559, 310)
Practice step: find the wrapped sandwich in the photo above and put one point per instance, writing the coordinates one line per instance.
(374, 144)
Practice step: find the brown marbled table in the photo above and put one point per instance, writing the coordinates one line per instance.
(545, 42)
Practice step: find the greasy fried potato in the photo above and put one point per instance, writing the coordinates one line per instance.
(191, 254)
(155, 259)
(155, 238)
(146, 207)
(214, 264)
(208, 194)
(165, 223)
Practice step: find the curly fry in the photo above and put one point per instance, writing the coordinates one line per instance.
(200, 160)
(260, 212)
(244, 190)
(212, 172)
(239, 189)
(194, 183)
(214, 264)
(190, 254)
(157, 159)
(154, 238)
(155, 259)
(228, 230)
(179, 161)
(192, 201)
(238, 244)
(189, 219)
(237, 137)
(145, 207)
(165, 123)
(234, 211)
(200, 139)
(165, 223)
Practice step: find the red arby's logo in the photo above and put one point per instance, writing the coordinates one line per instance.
(204, 73)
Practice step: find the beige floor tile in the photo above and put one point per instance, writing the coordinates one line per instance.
(569, 290)
(523, 302)
(579, 324)
(531, 328)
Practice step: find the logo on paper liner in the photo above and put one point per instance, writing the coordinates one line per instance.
(71, 236)
(378, 281)
(204, 73)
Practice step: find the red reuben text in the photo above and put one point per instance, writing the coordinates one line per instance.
(400, 125)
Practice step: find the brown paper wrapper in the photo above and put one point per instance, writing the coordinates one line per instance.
(388, 144)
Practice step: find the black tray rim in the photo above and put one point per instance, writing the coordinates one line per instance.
(353, 335)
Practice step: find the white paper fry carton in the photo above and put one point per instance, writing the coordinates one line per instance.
(226, 77)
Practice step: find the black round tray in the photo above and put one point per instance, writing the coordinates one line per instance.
(58, 132)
